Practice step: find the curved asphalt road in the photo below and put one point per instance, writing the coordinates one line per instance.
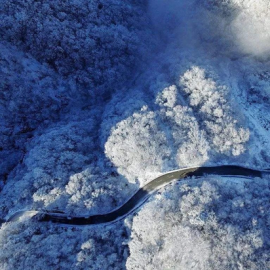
(141, 195)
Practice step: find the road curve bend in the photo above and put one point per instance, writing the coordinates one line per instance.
(141, 196)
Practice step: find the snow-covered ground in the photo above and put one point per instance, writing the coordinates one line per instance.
(99, 97)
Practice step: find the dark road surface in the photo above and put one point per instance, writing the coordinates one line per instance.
(142, 195)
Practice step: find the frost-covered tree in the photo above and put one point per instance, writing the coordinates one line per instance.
(45, 246)
(210, 100)
(189, 141)
(31, 96)
(210, 224)
(63, 169)
(80, 156)
(94, 43)
(153, 141)
(137, 146)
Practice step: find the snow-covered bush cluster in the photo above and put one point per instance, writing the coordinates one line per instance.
(210, 101)
(174, 135)
(31, 95)
(137, 146)
(27, 245)
(98, 97)
(190, 144)
(212, 224)
(150, 142)
(94, 42)
(62, 171)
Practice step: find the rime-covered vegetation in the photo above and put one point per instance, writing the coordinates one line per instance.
(94, 43)
(210, 224)
(31, 95)
(51, 247)
(99, 97)
(63, 171)
(173, 135)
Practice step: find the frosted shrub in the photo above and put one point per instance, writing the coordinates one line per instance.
(137, 146)
(211, 103)
(65, 248)
(168, 97)
(203, 225)
(91, 42)
(148, 143)
(61, 171)
(31, 96)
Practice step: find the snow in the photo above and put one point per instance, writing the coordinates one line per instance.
(98, 98)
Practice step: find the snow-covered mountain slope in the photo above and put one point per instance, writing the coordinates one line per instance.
(97, 97)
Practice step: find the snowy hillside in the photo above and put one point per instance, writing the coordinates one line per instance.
(97, 98)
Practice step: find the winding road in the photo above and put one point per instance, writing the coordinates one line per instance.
(141, 196)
